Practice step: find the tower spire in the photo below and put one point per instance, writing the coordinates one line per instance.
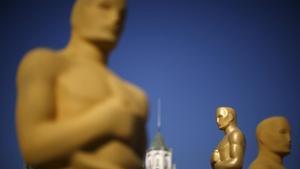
(158, 114)
(159, 156)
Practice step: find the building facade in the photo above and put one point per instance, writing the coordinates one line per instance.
(159, 156)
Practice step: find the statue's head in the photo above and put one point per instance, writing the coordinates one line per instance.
(225, 116)
(273, 134)
(99, 21)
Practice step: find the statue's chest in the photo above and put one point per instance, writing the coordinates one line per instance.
(84, 84)
(223, 143)
(224, 148)
(79, 88)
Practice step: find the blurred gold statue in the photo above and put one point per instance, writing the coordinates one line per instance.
(229, 154)
(274, 142)
(72, 111)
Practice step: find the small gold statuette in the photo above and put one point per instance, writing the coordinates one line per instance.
(274, 142)
(229, 154)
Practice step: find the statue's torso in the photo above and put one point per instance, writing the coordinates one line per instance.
(79, 87)
(224, 148)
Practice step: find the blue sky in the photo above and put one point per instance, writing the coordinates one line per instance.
(196, 55)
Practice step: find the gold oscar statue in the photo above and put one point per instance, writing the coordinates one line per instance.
(72, 111)
(229, 154)
(274, 142)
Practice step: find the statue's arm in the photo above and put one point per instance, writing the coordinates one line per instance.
(237, 146)
(41, 137)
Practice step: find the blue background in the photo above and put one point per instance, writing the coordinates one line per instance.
(194, 54)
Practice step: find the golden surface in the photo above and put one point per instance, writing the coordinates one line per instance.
(72, 111)
(229, 154)
(274, 140)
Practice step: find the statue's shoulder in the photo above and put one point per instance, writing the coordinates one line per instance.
(237, 136)
(138, 91)
(39, 62)
(39, 56)
(131, 86)
(258, 164)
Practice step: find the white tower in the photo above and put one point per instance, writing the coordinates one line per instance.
(159, 156)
